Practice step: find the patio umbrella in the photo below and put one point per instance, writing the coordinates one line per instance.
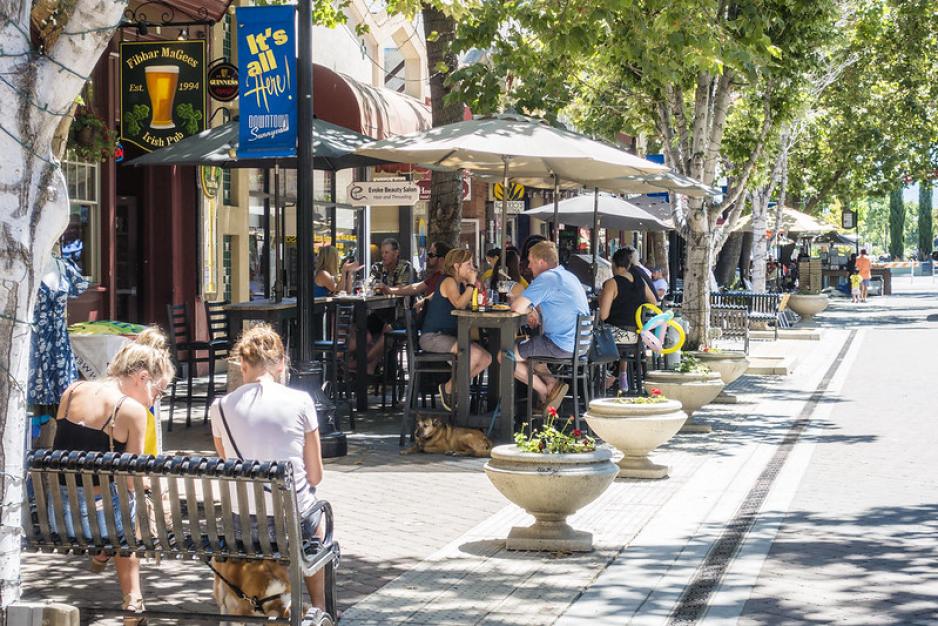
(793, 221)
(837, 238)
(334, 149)
(608, 210)
(334, 145)
(599, 208)
(515, 145)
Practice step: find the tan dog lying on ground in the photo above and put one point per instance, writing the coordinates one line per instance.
(434, 437)
(264, 580)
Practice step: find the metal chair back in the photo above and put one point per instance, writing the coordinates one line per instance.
(219, 331)
(179, 323)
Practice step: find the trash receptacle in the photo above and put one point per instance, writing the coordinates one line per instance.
(876, 286)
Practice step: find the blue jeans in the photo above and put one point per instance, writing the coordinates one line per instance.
(83, 513)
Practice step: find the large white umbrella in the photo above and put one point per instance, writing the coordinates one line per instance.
(516, 145)
(609, 210)
(793, 221)
(599, 209)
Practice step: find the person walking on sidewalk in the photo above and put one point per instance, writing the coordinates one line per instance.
(855, 284)
(865, 269)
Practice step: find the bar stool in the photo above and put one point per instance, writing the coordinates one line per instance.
(420, 364)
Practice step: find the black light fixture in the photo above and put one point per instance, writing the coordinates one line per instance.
(183, 34)
(143, 28)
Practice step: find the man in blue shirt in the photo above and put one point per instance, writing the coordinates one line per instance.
(552, 301)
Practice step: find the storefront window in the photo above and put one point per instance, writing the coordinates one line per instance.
(81, 241)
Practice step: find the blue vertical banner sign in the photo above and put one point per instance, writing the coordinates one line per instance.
(267, 72)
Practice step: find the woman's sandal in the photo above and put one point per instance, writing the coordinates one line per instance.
(135, 604)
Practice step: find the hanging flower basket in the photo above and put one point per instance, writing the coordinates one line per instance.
(89, 137)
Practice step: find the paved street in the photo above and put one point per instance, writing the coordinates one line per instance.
(817, 490)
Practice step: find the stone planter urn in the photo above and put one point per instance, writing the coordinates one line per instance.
(550, 487)
(729, 364)
(635, 429)
(692, 390)
(807, 305)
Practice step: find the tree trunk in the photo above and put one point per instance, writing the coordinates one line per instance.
(760, 223)
(896, 225)
(745, 258)
(728, 260)
(39, 91)
(659, 245)
(696, 305)
(445, 212)
(925, 232)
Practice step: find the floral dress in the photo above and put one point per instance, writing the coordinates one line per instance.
(52, 365)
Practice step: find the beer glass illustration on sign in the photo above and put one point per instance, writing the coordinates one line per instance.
(161, 87)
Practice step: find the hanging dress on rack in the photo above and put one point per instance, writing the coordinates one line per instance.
(52, 365)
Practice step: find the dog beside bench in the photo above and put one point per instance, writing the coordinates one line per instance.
(192, 508)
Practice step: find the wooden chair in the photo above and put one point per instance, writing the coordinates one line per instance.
(185, 350)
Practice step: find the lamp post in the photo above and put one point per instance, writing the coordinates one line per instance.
(307, 375)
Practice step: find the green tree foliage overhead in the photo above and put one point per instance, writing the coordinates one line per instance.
(675, 69)
(878, 124)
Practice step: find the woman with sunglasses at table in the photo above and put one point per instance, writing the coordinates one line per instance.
(111, 415)
(439, 330)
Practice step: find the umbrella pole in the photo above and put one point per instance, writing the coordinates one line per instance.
(594, 239)
(278, 216)
(505, 193)
(556, 223)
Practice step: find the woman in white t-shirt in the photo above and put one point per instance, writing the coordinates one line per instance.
(266, 420)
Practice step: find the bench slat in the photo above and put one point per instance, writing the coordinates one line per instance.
(87, 489)
(71, 487)
(263, 528)
(110, 521)
(157, 489)
(123, 496)
(211, 524)
(192, 504)
(244, 509)
(280, 531)
(143, 520)
(230, 536)
(58, 511)
(176, 513)
(42, 506)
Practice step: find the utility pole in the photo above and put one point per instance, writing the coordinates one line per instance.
(308, 375)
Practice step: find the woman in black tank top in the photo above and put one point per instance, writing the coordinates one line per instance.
(111, 415)
(624, 293)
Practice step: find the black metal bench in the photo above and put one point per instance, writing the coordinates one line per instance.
(198, 520)
(733, 323)
(761, 307)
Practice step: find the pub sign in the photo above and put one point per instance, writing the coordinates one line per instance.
(267, 73)
(162, 92)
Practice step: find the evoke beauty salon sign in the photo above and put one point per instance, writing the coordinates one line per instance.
(384, 193)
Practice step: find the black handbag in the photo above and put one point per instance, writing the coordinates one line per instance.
(604, 348)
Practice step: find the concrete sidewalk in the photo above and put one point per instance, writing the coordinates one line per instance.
(473, 580)
(422, 536)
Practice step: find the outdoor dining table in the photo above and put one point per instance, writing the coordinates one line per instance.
(268, 310)
(363, 307)
(506, 325)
